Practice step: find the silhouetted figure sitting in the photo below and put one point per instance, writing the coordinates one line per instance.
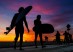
(58, 37)
(19, 29)
(66, 37)
(37, 30)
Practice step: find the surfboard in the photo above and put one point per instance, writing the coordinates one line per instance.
(45, 28)
(20, 16)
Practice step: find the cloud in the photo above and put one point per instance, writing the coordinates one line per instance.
(38, 5)
(16, 6)
(57, 12)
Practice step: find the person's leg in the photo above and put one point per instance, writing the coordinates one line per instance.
(36, 34)
(16, 38)
(57, 40)
(21, 40)
(41, 41)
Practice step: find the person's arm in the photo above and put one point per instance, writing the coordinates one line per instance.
(40, 22)
(13, 21)
(11, 25)
(26, 23)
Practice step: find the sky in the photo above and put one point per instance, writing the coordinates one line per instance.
(59, 13)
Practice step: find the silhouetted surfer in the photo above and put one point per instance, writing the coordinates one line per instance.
(58, 37)
(66, 37)
(37, 30)
(17, 22)
(19, 29)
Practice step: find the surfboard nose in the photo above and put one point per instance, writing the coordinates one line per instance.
(29, 6)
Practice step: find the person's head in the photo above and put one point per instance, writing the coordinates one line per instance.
(21, 9)
(65, 32)
(39, 17)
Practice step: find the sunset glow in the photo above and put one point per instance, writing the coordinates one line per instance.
(59, 13)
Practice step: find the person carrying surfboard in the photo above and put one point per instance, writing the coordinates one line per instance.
(19, 28)
(37, 30)
(17, 22)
